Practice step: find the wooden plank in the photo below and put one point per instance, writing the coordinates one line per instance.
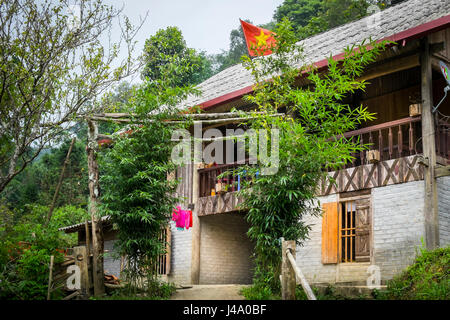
(330, 233)
(81, 260)
(396, 65)
(72, 295)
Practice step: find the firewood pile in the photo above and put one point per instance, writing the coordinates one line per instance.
(111, 279)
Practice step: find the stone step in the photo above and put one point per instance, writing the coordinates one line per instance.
(348, 290)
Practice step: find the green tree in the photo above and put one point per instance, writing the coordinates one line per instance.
(167, 49)
(310, 141)
(37, 183)
(310, 17)
(52, 67)
(136, 193)
(299, 12)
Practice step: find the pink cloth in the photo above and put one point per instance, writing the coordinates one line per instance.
(182, 218)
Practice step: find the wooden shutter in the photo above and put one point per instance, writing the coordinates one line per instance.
(363, 226)
(330, 233)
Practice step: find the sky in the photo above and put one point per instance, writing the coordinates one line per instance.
(205, 24)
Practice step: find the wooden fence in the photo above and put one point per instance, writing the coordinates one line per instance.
(59, 274)
(291, 273)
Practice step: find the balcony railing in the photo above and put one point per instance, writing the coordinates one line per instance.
(209, 179)
(443, 140)
(394, 139)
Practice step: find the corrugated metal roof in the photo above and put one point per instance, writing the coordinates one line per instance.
(392, 21)
(80, 226)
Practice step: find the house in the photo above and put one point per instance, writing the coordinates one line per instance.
(385, 204)
(379, 213)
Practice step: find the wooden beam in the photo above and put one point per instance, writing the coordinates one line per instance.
(429, 149)
(442, 171)
(396, 65)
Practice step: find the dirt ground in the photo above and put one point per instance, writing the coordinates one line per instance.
(209, 292)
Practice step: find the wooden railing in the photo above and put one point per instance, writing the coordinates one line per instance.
(291, 275)
(393, 139)
(209, 178)
(443, 140)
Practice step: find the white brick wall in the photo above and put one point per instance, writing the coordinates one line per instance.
(398, 225)
(225, 250)
(443, 185)
(111, 264)
(309, 256)
(180, 272)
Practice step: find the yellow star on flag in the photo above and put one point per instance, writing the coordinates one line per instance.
(262, 39)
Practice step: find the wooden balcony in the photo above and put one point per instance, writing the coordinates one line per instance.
(398, 142)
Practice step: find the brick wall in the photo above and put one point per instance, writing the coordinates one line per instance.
(398, 225)
(225, 250)
(180, 272)
(443, 185)
(111, 264)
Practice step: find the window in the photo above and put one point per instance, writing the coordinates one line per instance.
(347, 231)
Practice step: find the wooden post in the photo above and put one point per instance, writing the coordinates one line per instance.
(429, 150)
(196, 227)
(288, 282)
(87, 238)
(58, 186)
(50, 278)
(81, 260)
(196, 230)
(94, 193)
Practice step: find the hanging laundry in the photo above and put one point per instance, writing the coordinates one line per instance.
(182, 218)
(179, 217)
(188, 219)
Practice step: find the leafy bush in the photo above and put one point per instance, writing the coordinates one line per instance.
(259, 292)
(27, 246)
(24, 261)
(426, 279)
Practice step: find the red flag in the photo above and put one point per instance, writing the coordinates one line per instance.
(259, 41)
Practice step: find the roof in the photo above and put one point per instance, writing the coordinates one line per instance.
(405, 21)
(81, 226)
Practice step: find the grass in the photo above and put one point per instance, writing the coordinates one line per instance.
(158, 291)
(428, 278)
